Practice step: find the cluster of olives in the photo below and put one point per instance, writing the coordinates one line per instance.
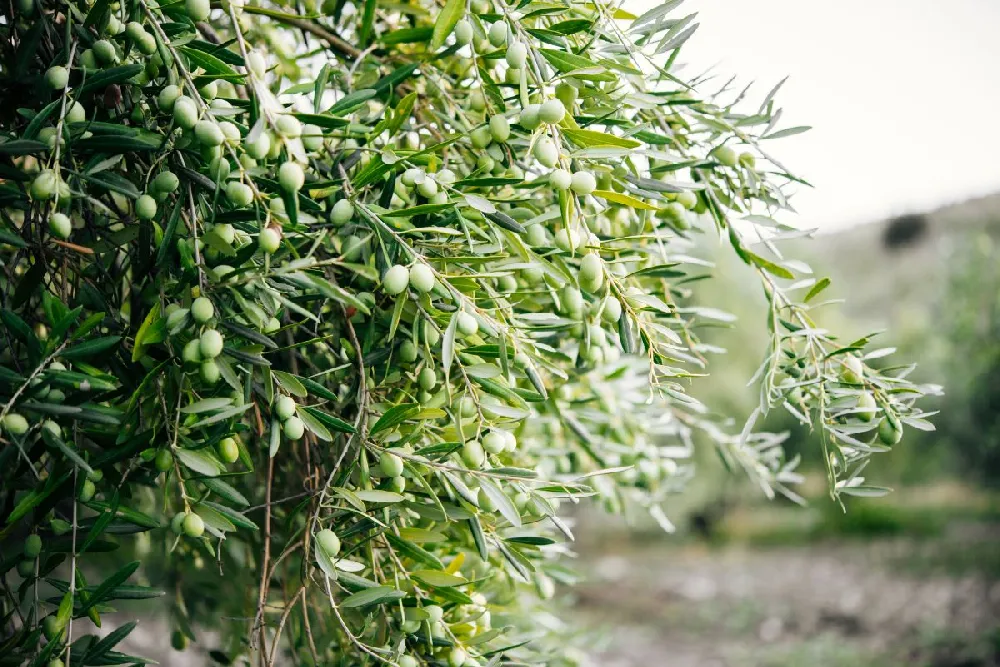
(201, 351)
(284, 409)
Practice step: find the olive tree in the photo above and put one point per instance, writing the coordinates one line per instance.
(315, 316)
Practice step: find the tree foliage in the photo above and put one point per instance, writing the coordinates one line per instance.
(315, 315)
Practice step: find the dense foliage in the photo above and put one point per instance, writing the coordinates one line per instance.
(314, 315)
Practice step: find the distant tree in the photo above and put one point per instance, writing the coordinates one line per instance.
(314, 314)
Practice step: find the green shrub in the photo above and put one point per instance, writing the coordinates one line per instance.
(313, 317)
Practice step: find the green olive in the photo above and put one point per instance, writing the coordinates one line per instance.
(229, 451)
(517, 55)
(288, 126)
(889, 433)
(852, 371)
(473, 454)
(57, 77)
(467, 324)
(191, 353)
(209, 372)
(498, 34)
(166, 181)
(612, 310)
(145, 207)
(44, 185)
(177, 523)
(194, 525)
(291, 177)
(293, 428)
(463, 32)
(408, 352)
(168, 97)
(494, 442)
(60, 225)
(87, 491)
(284, 407)
(210, 344)
(178, 640)
(583, 183)
(561, 179)
(343, 212)
(529, 118)
(481, 137)
(202, 310)
(867, 407)
(185, 113)
(546, 152)
(552, 111)
(239, 194)
(390, 464)
(457, 657)
(269, 240)
(32, 546)
(486, 503)
(208, 133)
(567, 94)
(259, 147)
(197, 10)
(422, 278)
(104, 51)
(427, 378)
(164, 460)
(76, 113)
(328, 542)
(725, 155)
(396, 279)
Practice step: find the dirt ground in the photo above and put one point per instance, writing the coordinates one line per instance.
(931, 602)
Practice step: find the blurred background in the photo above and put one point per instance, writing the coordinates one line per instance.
(906, 203)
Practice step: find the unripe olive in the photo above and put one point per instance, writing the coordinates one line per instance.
(889, 432)
(145, 207)
(343, 212)
(229, 451)
(561, 179)
(499, 128)
(76, 113)
(178, 640)
(88, 60)
(202, 310)
(422, 278)
(26, 569)
(567, 94)
(166, 181)
(536, 235)
(687, 199)
(291, 177)
(517, 54)
(288, 126)
(198, 10)
(408, 660)
(191, 353)
(134, 30)
(284, 407)
(32, 546)
(612, 310)
(498, 34)
(567, 240)
(507, 284)
(867, 406)
(44, 185)
(481, 137)
(104, 51)
(87, 491)
(494, 442)
(272, 325)
(312, 137)
(463, 32)
(546, 152)
(473, 454)
(428, 187)
(57, 77)
(591, 272)
(55, 662)
(230, 132)
(408, 352)
(210, 90)
(210, 344)
(328, 542)
(852, 371)
(269, 240)
(219, 168)
(259, 147)
(293, 428)
(427, 378)
(239, 194)
(583, 183)
(390, 464)
(477, 101)
(146, 44)
(529, 118)
(467, 324)
(572, 300)
(52, 628)
(208, 133)
(434, 613)
(194, 525)
(725, 155)
(60, 225)
(185, 113)
(163, 460)
(457, 657)
(209, 372)
(486, 503)
(177, 523)
(747, 160)
(395, 279)
(168, 96)
(552, 111)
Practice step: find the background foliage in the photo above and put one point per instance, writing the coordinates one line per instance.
(317, 314)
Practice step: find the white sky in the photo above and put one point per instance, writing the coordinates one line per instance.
(903, 95)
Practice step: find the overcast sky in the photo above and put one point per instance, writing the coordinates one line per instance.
(903, 95)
